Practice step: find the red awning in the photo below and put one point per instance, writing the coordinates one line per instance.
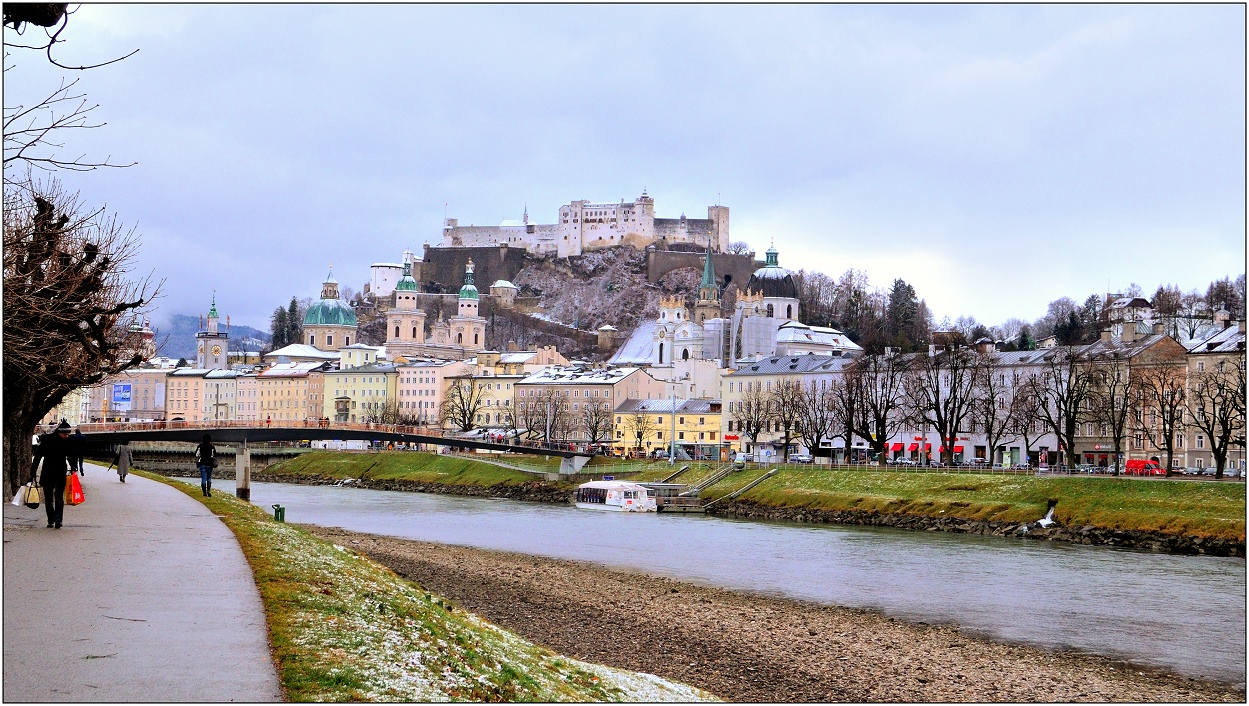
(913, 447)
(897, 447)
(942, 450)
(958, 449)
(927, 447)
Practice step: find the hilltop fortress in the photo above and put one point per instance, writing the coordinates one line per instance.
(589, 226)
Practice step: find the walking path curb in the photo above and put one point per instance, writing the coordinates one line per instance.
(143, 595)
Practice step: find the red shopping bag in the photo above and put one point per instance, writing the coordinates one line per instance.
(73, 491)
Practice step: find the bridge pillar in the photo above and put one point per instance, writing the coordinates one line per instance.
(572, 464)
(243, 472)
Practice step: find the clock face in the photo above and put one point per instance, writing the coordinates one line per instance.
(216, 350)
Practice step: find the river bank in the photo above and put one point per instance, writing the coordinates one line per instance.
(746, 647)
(559, 493)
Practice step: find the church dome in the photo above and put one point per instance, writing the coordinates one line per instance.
(773, 280)
(330, 312)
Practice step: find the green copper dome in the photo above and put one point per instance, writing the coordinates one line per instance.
(330, 310)
(469, 290)
(406, 283)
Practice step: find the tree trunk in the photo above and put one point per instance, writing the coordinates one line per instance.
(18, 429)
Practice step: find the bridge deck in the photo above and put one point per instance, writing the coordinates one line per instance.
(237, 432)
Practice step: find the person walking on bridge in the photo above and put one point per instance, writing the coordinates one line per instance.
(206, 460)
(57, 454)
(123, 459)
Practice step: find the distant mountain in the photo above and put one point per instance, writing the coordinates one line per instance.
(177, 340)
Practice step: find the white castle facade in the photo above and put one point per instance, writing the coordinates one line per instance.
(588, 226)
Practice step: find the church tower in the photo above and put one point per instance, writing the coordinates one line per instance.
(708, 304)
(210, 345)
(405, 324)
(468, 329)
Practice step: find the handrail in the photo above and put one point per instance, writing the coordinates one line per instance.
(245, 424)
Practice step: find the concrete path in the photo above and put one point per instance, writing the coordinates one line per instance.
(143, 595)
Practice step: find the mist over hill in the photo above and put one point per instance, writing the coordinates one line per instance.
(177, 338)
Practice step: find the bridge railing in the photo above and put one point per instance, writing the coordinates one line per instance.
(256, 424)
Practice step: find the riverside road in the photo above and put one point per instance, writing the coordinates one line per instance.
(143, 595)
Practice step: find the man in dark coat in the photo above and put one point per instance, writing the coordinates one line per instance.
(57, 452)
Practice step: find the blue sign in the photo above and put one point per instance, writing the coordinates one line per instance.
(121, 396)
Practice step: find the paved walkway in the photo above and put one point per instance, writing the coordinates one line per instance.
(143, 595)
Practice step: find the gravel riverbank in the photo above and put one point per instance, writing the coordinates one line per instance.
(746, 647)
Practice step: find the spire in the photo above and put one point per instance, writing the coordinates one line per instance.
(709, 271)
(469, 290)
(212, 312)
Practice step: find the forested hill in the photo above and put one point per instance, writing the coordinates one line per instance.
(177, 339)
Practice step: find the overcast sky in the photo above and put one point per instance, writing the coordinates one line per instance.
(994, 157)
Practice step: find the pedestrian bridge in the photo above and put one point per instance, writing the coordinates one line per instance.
(246, 432)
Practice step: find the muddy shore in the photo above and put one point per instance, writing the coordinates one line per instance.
(746, 647)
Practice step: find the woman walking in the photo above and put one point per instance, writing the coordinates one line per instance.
(206, 459)
(123, 459)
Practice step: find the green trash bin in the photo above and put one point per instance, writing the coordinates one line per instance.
(279, 513)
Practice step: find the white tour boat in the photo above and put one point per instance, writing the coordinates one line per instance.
(615, 495)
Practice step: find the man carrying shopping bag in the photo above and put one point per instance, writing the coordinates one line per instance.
(55, 451)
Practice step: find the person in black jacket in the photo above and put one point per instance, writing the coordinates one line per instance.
(56, 451)
(206, 460)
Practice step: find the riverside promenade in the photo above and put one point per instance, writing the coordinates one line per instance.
(143, 595)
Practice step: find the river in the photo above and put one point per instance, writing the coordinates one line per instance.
(1185, 614)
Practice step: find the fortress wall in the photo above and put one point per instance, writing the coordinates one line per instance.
(445, 266)
(738, 267)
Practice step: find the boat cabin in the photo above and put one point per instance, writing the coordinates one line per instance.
(614, 495)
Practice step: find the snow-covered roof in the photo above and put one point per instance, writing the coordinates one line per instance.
(302, 350)
(503, 284)
(691, 406)
(1228, 340)
(559, 375)
(639, 347)
(521, 357)
(291, 369)
(387, 264)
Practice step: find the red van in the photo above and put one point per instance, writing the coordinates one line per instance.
(1141, 467)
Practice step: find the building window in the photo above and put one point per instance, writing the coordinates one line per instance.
(1201, 441)
(329, 339)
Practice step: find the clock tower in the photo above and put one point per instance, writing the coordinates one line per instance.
(210, 345)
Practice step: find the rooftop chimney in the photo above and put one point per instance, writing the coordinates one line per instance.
(1107, 335)
(1159, 328)
(1129, 332)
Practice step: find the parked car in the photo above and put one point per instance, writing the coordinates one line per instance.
(1192, 471)
(1208, 471)
(800, 458)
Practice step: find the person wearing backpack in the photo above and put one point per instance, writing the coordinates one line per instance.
(206, 459)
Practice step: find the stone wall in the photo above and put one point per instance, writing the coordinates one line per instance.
(444, 267)
(738, 268)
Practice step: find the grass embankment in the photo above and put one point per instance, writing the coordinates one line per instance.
(1195, 508)
(1202, 509)
(343, 628)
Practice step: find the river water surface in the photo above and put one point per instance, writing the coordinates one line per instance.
(1185, 614)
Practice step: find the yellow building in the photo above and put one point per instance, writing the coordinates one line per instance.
(359, 394)
(285, 393)
(647, 426)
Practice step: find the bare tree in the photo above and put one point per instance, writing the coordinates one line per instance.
(991, 408)
(389, 412)
(529, 420)
(1062, 389)
(739, 247)
(560, 420)
(595, 420)
(818, 413)
(461, 403)
(1161, 397)
(34, 133)
(785, 401)
(940, 390)
(876, 383)
(638, 426)
(1025, 410)
(752, 413)
(1110, 387)
(68, 304)
(1217, 405)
